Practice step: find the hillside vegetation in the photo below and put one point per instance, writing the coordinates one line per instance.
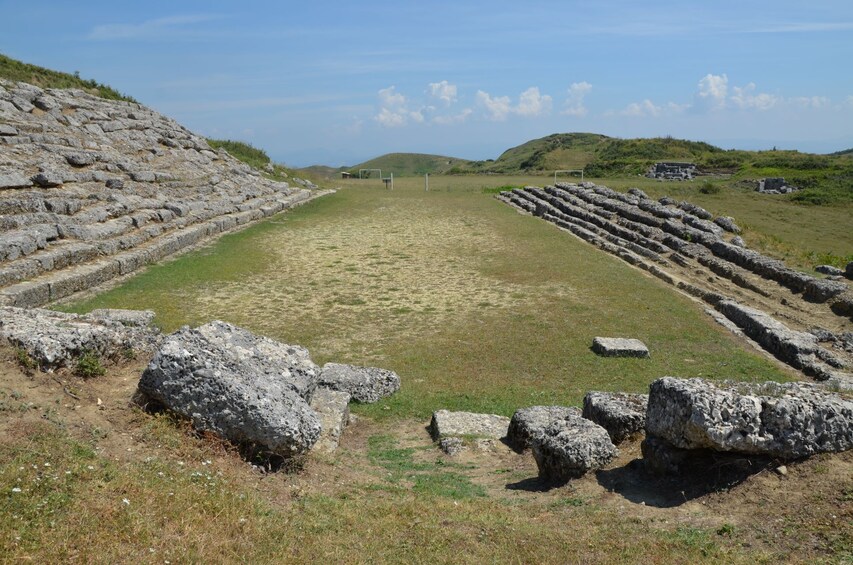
(825, 178)
(411, 164)
(12, 69)
(254, 157)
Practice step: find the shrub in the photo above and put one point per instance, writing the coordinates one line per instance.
(89, 366)
(709, 188)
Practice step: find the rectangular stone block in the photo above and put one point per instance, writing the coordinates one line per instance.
(619, 347)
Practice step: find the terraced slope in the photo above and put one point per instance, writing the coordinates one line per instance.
(93, 189)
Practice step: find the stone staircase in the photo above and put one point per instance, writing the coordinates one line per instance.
(93, 189)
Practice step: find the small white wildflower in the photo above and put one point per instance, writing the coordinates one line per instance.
(125, 501)
(47, 464)
(90, 468)
(67, 472)
(16, 489)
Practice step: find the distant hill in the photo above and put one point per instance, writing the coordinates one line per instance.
(12, 69)
(322, 171)
(556, 151)
(411, 164)
(598, 154)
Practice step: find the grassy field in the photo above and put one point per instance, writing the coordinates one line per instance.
(477, 308)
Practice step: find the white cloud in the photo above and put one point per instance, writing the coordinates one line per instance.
(531, 103)
(394, 111)
(712, 93)
(574, 103)
(498, 108)
(746, 99)
(454, 119)
(812, 102)
(150, 28)
(390, 119)
(443, 91)
(641, 109)
(390, 98)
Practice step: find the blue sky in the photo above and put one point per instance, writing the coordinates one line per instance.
(341, 82)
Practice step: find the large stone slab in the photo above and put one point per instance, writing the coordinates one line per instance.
(570, 447)
(619, 347)
(528, 424)
(467, 424)
(248, 389)
(56, 339)
(364, 384)
(787, 421)
(621, 414)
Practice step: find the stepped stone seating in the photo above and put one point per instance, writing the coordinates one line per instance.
(654, 235)
(92, 189)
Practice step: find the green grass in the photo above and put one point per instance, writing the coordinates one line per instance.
(15, 70)
(476, 307)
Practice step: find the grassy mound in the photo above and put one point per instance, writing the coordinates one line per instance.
(15, 70)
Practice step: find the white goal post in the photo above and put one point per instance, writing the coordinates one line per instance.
(361, 173)
(567, 171)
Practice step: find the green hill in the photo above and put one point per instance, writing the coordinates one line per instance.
(411, 164)
(12, 69)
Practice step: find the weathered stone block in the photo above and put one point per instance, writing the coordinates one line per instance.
(619, 347)
(456, 424)
(621, 414)
(570, 447)
(788, 420)
(528, 424)
(364, 384)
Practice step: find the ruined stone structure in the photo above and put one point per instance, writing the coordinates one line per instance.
(672, 171)
(774, 185)
(94, 189)
(678, 243)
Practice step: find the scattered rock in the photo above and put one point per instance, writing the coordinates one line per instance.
(365, 384)
(528, 424)
(467, 424)
(333, 409)
(619, 347)
(828, 270)
(787, 421)
(621, 414)
(115, 184)
(248, 389)
(571, 446)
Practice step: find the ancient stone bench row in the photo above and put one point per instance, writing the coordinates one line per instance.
(40, 290)
(692, 227)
